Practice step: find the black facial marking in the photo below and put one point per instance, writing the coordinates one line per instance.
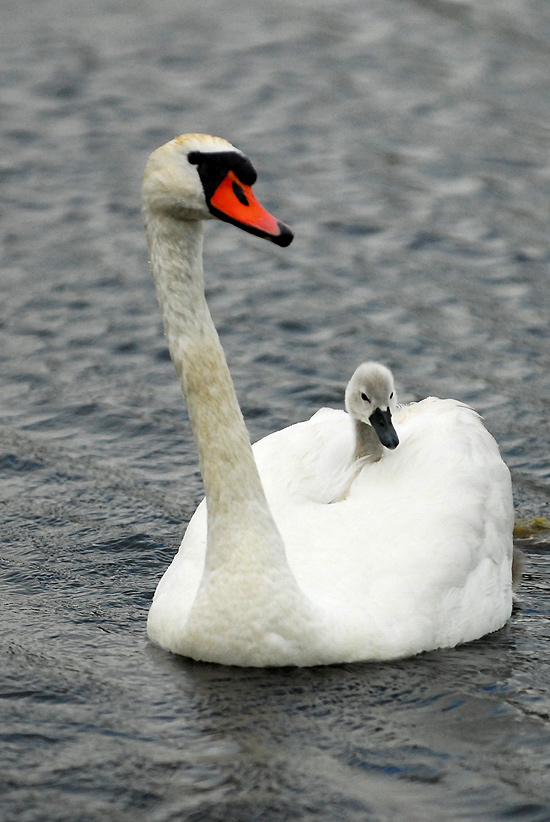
(214, 166)
(239, 194)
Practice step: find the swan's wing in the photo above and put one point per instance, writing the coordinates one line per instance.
(418, 555)
(309, 460)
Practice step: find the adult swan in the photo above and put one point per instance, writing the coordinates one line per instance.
(415, 556)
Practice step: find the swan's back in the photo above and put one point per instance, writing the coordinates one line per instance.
(418, 555)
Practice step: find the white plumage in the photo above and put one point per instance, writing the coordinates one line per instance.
(414, 555)
(418, 555)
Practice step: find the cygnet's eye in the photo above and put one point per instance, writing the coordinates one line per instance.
(391, 396)
(364, 397)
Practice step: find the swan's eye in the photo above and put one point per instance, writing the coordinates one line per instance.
(364, 397)
(391, 396)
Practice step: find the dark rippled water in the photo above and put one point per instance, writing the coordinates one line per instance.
(408, 144)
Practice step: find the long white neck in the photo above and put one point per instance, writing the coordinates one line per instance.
(234, 493)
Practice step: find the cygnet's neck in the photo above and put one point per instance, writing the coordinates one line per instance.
(367, 445)
(232, 484)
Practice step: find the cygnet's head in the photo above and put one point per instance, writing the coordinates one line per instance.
(370, 398)
(196, 177)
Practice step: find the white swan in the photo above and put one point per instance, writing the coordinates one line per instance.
(417, 556)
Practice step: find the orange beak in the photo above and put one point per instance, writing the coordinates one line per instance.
(235, 203)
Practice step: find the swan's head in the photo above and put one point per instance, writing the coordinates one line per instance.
(197, 177)
(370, 398)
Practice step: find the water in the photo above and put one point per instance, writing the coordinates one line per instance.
(407, 143)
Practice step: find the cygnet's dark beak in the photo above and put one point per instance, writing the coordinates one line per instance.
(382, 424)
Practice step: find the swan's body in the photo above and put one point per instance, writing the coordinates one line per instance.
(415, 554)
